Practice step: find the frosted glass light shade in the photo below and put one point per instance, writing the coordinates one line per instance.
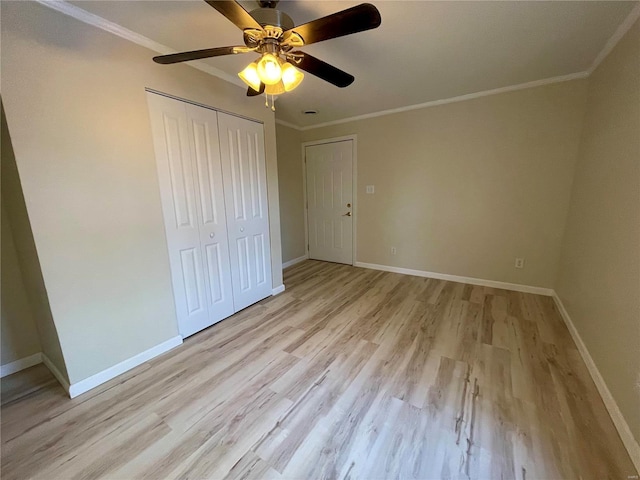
(250, 76)
(291, 77)
(275, 89)
(269, 69)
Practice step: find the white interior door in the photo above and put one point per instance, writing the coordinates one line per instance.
(189, 171)
(244, 170)
(329, 172)
(205, 152)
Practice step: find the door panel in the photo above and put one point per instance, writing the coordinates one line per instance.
(243, 264)
(178, 195)
(261, 258)
(205, 148)
(243, 166)
(206, 170)
(189, 172)
(180, 172)
(217, 285)
(329, 171)
(193, 281)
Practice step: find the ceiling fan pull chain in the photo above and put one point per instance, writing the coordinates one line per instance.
(273, 101)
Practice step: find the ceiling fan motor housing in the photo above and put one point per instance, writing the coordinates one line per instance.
(268, 3)
(270, 38)
(273, 17)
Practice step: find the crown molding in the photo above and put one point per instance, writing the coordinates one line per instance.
(616, 37)
(91, 19)
(103, 24)
(461, 98)
(620, 32)
(290, 125)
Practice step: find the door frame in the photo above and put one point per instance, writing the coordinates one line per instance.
(354, 188)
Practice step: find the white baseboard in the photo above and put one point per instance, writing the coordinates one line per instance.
(99, 378)
(20, 364)
(455, 278)
(55, 372)
(620, 423)
(277, 290)
(291, 263)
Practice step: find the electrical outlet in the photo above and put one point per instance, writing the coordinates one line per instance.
(393, 250)
(519, 262)
(371, 189)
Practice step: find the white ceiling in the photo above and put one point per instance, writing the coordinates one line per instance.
(423, 51)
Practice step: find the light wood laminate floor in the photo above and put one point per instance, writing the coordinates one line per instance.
(350, 373)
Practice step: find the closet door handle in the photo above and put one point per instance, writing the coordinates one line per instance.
(211, 235)
(241, 229)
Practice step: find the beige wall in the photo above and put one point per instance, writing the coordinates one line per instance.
(19, 232)
(599, 275)
(19, 337)
(467, 187)
(76, 108)
(290, 181)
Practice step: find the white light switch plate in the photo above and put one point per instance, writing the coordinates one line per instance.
(371, 189)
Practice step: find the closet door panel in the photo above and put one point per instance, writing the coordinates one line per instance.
(243, 166)
(193, 280)
(176, 177)
(205, 148)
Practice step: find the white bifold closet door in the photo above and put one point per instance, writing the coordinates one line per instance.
(192, 186)
(243, 166)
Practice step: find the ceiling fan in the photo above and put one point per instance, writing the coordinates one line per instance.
(272, 34)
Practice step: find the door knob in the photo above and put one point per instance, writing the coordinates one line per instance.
(348, 214)
(241, 229)
(211, 235)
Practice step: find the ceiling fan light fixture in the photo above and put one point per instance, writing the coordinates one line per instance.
(275, 89)
(291, 77)
(250, 76)
(269, 69)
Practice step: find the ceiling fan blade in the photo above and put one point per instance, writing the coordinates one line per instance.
(352, 20)
(197, 54)
(235, 13)
(321, 69)
(252, 93)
